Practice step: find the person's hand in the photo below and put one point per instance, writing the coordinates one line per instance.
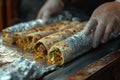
(50, 7)
(104, 21)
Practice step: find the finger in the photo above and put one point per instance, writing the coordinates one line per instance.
(46, 16)
(91, 25)
(107, 33)
(39, 16)
(117, 28)
(98, 34)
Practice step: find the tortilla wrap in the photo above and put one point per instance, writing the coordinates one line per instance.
(68, 49)
(7, 33)
(42, 46)
(42, 32)
(34, 37)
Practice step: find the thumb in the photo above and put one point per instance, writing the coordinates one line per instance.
(39, 15)
(46, 16)
(90, 26)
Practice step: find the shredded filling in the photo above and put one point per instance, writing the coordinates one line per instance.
(30, 42)
(28, 46)
(19, 43)
(55, 57)
(41, 51)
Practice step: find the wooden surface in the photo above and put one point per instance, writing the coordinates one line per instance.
(8, 13)
(1, 14)
(11, 11)
(106, 68)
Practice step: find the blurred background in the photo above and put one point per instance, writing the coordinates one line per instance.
(15, 11)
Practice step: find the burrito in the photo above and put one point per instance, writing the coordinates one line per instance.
(34, 37)
(42, 46)
(70, 48)
(20, 38)
(29, 38)
(7, 34)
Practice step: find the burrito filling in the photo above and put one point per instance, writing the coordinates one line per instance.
(40, 51)
(55, 57)
(19, 43)
(28, 44)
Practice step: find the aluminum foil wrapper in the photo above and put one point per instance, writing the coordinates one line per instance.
(23, 69)
(79, 44)
(25, 26)
(7, 55)
(72, 15)
(13, 66)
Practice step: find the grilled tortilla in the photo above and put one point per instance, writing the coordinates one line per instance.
(68, 49)
(7, 33)
(43, 45)
(31, 38)
(52, 27)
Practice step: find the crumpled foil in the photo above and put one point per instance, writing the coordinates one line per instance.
(7, 55)
(26, 25)
(23, 69)
(72, 15)
(79, 44)
(15, 67)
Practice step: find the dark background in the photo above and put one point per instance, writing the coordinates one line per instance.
(16, 11)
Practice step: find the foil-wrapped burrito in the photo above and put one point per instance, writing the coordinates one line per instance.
(42, 46)
(69, 48)
(7, 34)
(72, 47)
